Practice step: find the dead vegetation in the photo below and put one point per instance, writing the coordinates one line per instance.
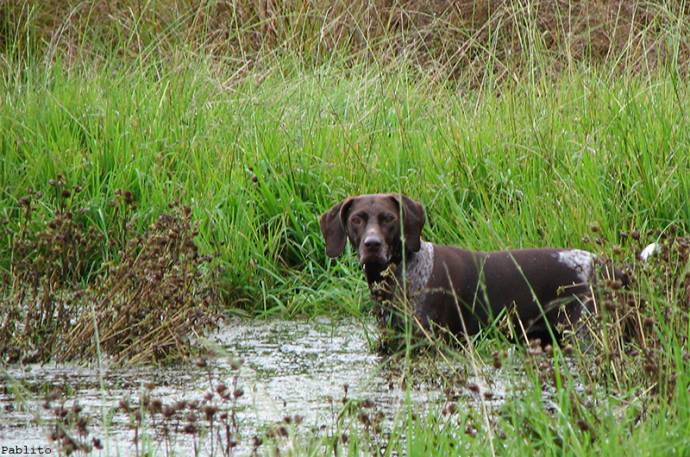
(72, 290)
(639, 332)
(471, 40)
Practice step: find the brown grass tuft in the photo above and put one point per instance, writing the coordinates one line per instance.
(469, 39)
(146, 302)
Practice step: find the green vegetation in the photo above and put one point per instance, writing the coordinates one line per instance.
(258, 144)
(511, 136)
(533, 166)
(257, 163)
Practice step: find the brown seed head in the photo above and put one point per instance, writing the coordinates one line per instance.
(156, 405)
(451, 409)
(210, 411)
(497, 362)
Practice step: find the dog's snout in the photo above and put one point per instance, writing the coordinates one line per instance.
(372, 242)
(373, 248)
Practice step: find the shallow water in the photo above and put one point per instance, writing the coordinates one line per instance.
(291, 368)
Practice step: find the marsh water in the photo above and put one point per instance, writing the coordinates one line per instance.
(290, 368)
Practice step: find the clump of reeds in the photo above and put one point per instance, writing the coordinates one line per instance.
(153, 298)
(153, 294)
(639, 328)
(211, 421)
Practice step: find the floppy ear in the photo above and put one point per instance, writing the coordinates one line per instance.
(413, 221)
(333, 228)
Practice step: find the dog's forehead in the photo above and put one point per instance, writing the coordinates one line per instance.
(373, 203)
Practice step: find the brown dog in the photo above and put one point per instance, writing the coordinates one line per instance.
(453, 288)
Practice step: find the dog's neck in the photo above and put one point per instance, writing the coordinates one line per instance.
(389, 289)
(416, 268)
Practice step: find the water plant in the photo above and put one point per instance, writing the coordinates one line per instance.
(518, 124)
(147, 293)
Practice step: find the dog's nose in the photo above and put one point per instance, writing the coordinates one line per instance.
(372, 242)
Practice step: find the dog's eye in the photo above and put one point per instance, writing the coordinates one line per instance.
(356, 220)
(387, 218)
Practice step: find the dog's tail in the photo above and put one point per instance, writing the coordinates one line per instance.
(649, 251)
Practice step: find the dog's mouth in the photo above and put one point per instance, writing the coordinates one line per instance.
(374, 257)
(374, 261)
(370, 262)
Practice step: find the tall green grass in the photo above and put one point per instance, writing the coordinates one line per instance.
(259, 159)
(516, 123)
(260, 137)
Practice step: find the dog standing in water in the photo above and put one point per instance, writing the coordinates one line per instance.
(459, 290)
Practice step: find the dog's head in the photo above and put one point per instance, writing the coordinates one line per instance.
(377, 225)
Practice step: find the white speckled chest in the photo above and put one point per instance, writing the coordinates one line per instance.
(418, 271)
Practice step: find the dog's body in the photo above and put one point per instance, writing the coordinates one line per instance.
(544, 290)
(462, 290)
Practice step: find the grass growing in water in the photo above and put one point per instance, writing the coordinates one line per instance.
(259, 151)
(257, 163)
